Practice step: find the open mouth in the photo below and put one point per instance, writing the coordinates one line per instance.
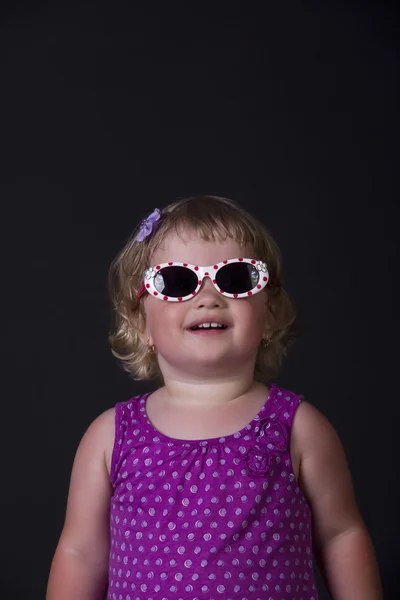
(208, 327)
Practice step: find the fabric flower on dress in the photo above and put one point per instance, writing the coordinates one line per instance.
(272, 439)
(258, 462)
(273, 436)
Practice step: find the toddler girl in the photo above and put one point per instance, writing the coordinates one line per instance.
(218, 484)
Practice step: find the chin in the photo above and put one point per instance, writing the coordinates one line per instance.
(211, 365)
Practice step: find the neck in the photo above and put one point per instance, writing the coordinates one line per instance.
(207, 393)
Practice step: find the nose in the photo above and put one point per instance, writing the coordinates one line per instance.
(208, 296)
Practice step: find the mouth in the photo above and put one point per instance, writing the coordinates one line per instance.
(212, 328)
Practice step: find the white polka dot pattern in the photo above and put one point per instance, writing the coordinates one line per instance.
(210, 519)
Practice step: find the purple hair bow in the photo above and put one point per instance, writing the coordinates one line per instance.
(146, 226)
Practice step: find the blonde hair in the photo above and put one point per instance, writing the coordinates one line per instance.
(213, 219)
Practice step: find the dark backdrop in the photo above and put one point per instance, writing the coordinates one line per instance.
(111, 109)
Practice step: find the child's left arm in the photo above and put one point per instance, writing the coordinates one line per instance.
(342, 545)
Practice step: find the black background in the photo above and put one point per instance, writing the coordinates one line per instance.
(111, 109)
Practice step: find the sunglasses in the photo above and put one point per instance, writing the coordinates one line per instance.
(177, 282)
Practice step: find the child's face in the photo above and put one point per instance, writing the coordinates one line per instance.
(205, 352)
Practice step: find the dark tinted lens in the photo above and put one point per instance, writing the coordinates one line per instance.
(175, 282)
(237, 278)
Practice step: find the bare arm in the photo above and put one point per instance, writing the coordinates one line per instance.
(79, 569)
(342, 545)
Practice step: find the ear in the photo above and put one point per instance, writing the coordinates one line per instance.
(269, 322)
(267, 329)
(144, 331)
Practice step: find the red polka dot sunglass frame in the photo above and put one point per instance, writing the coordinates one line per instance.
(177, 281)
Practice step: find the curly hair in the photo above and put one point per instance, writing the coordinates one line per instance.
(214, 219)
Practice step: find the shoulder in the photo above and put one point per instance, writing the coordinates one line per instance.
(311, 427)
(100, 434)
(314, 440)
(313, 435)
(307, 413)
(324, 474)
(323, 463)
(108, 421)
(100, 428)
(104, 422)
(99, 437)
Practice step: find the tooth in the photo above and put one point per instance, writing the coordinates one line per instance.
(208, 326)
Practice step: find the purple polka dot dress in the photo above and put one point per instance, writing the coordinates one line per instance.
(217, 519)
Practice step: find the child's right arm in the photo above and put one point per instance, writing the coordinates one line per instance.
(79, 570)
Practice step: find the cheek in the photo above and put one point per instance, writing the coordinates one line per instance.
(161, 315)
(253, 311)
(151, 313)
(251, 320)
(261, 307)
